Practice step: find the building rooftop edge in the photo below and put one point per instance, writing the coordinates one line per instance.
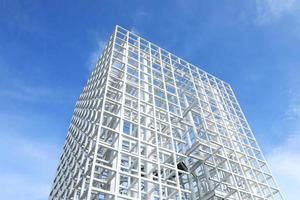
(137, 35)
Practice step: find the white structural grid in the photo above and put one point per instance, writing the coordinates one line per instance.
(149, 125)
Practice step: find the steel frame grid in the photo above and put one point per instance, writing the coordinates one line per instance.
(149, 125)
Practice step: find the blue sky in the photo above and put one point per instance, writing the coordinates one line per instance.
(47, 49)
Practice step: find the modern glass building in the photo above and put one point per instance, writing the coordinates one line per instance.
(150, 125)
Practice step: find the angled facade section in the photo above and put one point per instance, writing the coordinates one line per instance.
(149, 125)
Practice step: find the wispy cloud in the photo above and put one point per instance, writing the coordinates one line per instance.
(284, 159)
(26, 92)
(95, 55)
(27, 167)
(139, 18)
(28, 154)
(135, 30)
(269, 10)
(23, 88)
(21, 186)
(293, 111)
(284, 162)
(142, 13)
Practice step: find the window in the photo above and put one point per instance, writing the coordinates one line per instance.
(126, 127)
(133, 55)
(130, 128)
(132, 71)
(171, 89)
(132, 90)
(156, 66)
(159, 93)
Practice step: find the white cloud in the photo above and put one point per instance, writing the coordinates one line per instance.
(27, 162)
(27, 167)
(20, 186)
(26, 92)
(269, 10)
(284, 159)
(293, 111)
(23, 88)
(95, 55)
(284, 163)
(142, 13)
(141, 16)
(135, 30)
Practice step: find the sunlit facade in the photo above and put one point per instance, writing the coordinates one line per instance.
(149, 125)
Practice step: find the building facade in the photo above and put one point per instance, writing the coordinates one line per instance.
(149, 125)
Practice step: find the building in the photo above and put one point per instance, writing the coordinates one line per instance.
(149, 125)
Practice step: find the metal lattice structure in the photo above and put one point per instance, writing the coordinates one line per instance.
(149, 125)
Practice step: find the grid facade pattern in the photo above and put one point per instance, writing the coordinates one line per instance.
(149, 125)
